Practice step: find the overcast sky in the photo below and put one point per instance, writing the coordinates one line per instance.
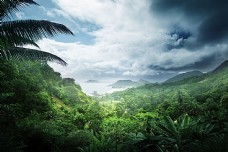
(132, 39)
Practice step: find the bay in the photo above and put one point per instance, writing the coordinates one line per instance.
(100, 88)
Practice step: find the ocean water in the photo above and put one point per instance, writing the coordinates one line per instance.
(100, 88)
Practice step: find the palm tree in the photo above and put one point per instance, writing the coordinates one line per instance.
(17, 33)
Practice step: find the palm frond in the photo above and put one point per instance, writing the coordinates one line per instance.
(6, 41)
(21, 54)
(7, 7)
(32, 29)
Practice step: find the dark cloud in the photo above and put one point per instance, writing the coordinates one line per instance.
(179, 35)
(210, 16)
(191, 8)
(204, 63)
(214, 29)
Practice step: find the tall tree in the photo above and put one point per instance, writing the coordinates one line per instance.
(14, 34)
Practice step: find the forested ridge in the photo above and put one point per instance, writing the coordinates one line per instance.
(40, 111)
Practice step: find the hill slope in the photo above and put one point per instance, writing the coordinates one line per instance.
(38, 106)
(221, 67)
(124, 84)
(186, 102)
(194, 88)
(143, 82)
(184, 76)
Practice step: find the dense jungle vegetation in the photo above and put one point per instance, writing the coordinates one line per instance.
(40, 111)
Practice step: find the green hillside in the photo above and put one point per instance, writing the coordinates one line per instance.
(40, 111)
(179, 115)
(184, 76)
(210, 87)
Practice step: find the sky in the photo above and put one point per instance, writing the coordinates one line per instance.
(135, 39)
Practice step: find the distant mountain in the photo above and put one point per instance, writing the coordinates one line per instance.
(196, 79)
(184, 76)
(141, 81)
(92, 81)
(124, 84)
(221, 67)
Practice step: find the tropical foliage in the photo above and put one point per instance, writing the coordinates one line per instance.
(14, 34)
(40, 111)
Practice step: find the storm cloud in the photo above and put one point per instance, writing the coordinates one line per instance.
(152, 39)
(202, 64)
(206, 19)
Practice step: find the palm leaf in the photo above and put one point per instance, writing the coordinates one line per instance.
(21, 54)
(167, 131)
(184, 121)
(159, 149)
(170, 124)
(7, 7)
(15, 41)
(32, 29)
(24, 32)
